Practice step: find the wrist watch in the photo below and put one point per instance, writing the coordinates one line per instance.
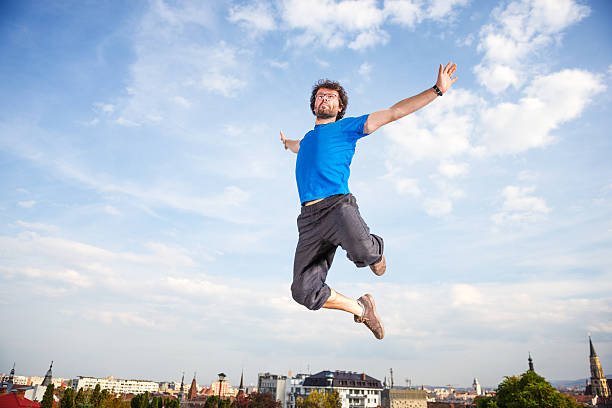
(437, 90)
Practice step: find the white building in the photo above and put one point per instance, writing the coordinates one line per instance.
(274, 384)
(115, 385)
(355, 390)
(294, 389)
(476, 387)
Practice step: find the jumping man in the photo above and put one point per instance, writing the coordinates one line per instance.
(330, 217)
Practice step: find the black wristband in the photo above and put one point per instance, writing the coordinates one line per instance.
(437, 90)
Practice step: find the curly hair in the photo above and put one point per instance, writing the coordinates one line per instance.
(334, 86)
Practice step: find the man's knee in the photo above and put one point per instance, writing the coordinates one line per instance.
(307, 295)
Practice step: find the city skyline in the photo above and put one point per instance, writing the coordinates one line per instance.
(148, 214)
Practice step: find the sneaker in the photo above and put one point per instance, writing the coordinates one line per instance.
(380, 267)
(369, 317)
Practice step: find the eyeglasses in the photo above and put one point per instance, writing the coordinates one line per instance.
(328, 97)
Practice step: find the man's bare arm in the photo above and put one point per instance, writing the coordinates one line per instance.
(293, 145)
(412, 104)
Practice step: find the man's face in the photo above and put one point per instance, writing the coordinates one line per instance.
(327, 103)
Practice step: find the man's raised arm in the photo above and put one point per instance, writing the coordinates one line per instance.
(414, 103)
(293, 145)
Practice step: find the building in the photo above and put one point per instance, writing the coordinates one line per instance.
(599, 385)
(403, 398)
(16, 400)
(38, 391)
(115, 385)
(193, 390)
(476, 388)
(355, 390)
(223, 385)
(294, 389)
(274, 384)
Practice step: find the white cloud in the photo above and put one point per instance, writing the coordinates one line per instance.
(27, 204)
(369, 38)
(520, 29)
(129, 319)
(222, 84)
(496, 78)
(463, 294)
(438, 207)
(106, 108)
(453, 170)
(356, 23)
(279, 64)
(37, 226)
(442, 9)
(407, 186)
(365, 69)
(424, 135)
(404, 12)
(519, 206)
(126, 122)
(549, 101)
(255, 16)
(109, 209)
(182, 101)
(174, 69)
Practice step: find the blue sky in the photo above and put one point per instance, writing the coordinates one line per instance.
(147, 221)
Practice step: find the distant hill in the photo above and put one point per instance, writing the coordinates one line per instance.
(568, 383)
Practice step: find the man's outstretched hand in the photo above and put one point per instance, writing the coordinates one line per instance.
(293, 145)
(445, 76)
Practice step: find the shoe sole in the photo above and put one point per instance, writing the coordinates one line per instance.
(383, 261)
(377, 317)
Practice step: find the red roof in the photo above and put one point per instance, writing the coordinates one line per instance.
(11, 400)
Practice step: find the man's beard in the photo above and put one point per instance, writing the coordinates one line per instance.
(321, 114)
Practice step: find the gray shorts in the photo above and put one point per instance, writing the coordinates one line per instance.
(323, 226)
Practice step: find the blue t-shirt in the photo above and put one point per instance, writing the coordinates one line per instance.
(323, 162)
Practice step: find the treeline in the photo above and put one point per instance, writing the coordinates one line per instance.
(526, 391)
(98, 398)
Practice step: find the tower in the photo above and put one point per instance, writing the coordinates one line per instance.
(48, 376)
(193, 390)
(12, 375)
(599, 384)
(476, 387)
(181, 394)
(530, 363)
(241, 388)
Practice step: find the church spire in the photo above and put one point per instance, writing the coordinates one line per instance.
(193, 390)
(12, 375)
(593, 353)
(47, 380)
(241, 388)
(181, 395)
(599, 384)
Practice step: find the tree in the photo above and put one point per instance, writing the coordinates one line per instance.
(157, 402)
(318, 399)
(172, 403)
(263, 400)
(529, 390)
(80, 401)
(96, 397)
(485, 402)
(67, 400)
(47, 400)
(213, 402)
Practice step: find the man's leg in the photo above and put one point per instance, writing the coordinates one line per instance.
(363, 310)
(340, 302)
